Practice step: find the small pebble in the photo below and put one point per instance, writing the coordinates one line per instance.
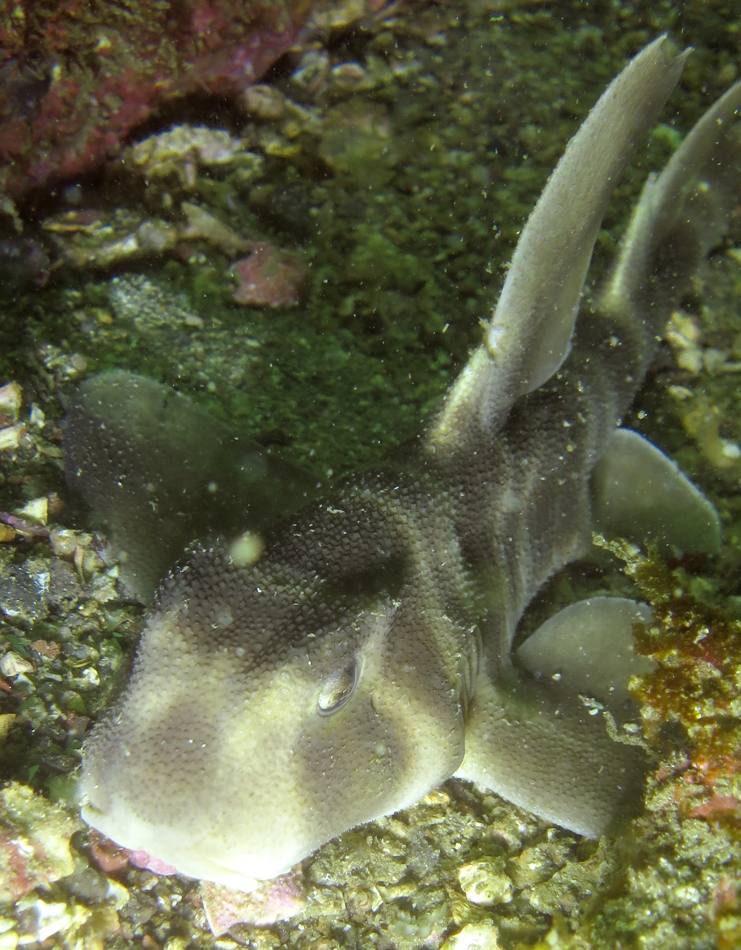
(139, 909)
(13, 664)
(263, 102)
(36, 510)
(485, 883)
(10, 437)
(8, 940)
(481, 936)
(46, 648)
(6, 721)
(11, 398)
(88, 885)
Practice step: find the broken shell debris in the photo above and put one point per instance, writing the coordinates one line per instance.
(184, 150)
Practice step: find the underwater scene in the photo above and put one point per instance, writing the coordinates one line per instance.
(370, 542)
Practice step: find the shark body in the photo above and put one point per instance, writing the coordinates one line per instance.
(361, 652)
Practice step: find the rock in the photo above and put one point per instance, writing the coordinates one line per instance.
(140, 908)
(34, 842)
(269, 277)
(11, 398)
(75, 926)
(485, 882)
(124, 237)
(149, 305)
(13, 664)
(36, 510)
(24, 592)
(538, 863)
(481, 936)
(279, 899)
(10, 436)
(357, 143)
(202, 225)
(24, 264)
(180, 152)
(87, 884)
(6, 721)
(263, 102)
(60, 116)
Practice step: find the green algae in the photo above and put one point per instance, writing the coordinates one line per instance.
(459, 115)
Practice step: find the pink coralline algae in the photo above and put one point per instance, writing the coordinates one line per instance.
(111, 857)
(279, 899)
(34, 842)
(77, 76)
(269, 277)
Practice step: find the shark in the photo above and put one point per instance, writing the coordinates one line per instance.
(311, 672)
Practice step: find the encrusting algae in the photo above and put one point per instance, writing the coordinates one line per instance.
(697, 682)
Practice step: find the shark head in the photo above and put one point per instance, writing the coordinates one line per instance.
(269, 709)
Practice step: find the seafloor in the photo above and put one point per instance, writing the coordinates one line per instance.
(388, 164)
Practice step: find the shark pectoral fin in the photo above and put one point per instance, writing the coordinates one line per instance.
(544, 752)
(157, 472)
(638, 493)
(587, 648)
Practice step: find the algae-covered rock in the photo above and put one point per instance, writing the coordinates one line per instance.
(481, 936)
(181, 151)
(485, 882)
(34, 842)
(357, 142)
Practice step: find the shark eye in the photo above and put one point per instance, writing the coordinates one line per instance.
(338, 688)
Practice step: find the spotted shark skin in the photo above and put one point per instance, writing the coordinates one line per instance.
(362, 654)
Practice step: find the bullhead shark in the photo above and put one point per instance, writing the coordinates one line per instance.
(298, 680)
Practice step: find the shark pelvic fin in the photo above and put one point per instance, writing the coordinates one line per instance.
(539, 747)
(587, 648)
(639, 494)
